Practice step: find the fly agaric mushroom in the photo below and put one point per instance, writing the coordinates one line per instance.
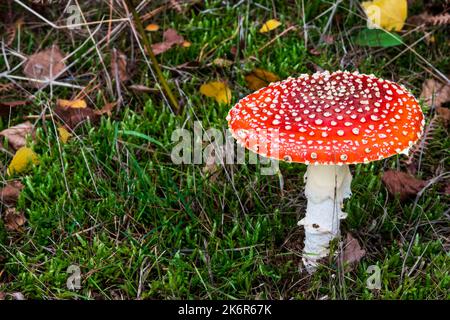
(327, 121)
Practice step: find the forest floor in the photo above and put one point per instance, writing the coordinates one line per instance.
(110, 203)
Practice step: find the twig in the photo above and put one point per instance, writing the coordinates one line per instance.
(278, 36)
(140, 28)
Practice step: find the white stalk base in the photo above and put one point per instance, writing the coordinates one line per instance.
(326, 188)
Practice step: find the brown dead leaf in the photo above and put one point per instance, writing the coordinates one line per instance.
(260, 78)
(17, 135)
(107, 108)
(7, 106)
(447, 189)
(402, 184)
(10, 193)
(13, 220)
(434, 91)
(444, 114)
(13, 104)
(74, 117)
(45, 65)
(328, 39)
(170, 38)
(119, 66)
(352, 252)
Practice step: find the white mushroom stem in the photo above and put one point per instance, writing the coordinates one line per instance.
(326, 188)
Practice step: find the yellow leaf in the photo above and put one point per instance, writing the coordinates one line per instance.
(270, 25)
(217, 90)
(260, 78)
(22, 160)
(64, 135)
(74, 104)
(152, 27)
(186, 44)
(387, 14)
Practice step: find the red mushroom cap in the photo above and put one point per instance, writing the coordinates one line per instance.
(328, 118)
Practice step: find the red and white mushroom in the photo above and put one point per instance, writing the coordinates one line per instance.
(327, 121)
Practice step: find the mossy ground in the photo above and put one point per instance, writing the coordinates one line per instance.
(112, 202)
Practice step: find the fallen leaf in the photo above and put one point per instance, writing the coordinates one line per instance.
(152, 27)
(17, 135)
(270, 25)
(107, 108)
(64, 135)
(119, 69)
(13, 104)
(434, 91)
(352, 252)
(22, 160)
(13, 220)
(170, 38)
(377, 38)
(387, 14)
(45, 65)
(5, 87)
(10, 193)
(186, 44)
(74, 117)
(74, 104)
(444, 114)
(217, 90)
(402, 184)
(315, 51)
(260, 78)
(328, 39)
(7, 106)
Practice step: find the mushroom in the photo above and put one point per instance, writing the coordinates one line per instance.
(327, 121)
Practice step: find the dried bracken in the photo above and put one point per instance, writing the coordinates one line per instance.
(420, 147)
(426, 18)
(402, 184)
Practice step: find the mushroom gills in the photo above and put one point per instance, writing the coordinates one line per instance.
(326, 188)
